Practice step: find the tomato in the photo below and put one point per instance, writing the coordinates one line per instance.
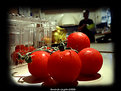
(26, 49)
(38, 66)
(21, 47)
(91, 59)
(31, 48)
(49, 48)
(49, 83)
(14, 56)
(64, 66)
(78, 41)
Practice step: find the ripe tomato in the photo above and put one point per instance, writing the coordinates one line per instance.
(91, 59)
(14, 56)
(50, 82)
(49, 48)
(31, 48)
(78, 41)
(20, 47)
(64, 66)
(38, 66)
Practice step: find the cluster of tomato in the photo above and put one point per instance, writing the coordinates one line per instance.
(22, 50)
(65, 65)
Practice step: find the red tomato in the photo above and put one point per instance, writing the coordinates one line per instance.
(38, 66)
(49, 48)
(20, 47)
(91, 59)
(78, 41)
(26, 49)
(64, 66)
(49, 83)
(14, 56)
(29, 49)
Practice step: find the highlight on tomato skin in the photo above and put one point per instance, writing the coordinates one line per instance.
(92, 61)
(64, 66)
(78, 41)
(38, 66)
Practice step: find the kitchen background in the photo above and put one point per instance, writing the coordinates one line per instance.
(66, 17)
(36, 26)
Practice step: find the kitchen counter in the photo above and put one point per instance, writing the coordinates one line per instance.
(21, 76)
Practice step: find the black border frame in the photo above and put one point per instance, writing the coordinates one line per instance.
(115, 27)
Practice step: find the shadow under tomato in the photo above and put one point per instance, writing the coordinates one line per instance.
(52, 83)
(31, 79)
(88, 77)
(73, 84)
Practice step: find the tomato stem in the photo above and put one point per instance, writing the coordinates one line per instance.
(28, 59)
(20, 56)
(61, 46)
